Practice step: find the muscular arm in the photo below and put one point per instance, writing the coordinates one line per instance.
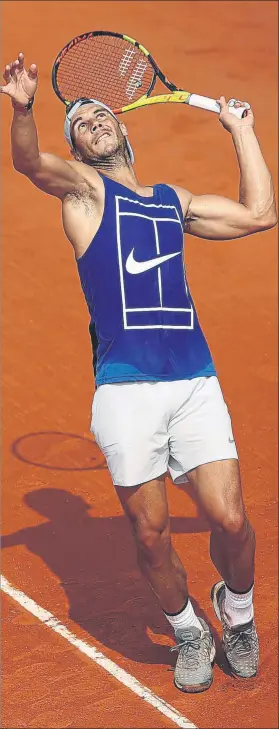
(219, 218)
(50, 173)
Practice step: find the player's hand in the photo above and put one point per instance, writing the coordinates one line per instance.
(21, 85)
(231, 122)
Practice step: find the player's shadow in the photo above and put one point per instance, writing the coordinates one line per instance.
(95, 561)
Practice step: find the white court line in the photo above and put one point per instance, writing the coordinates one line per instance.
(125, 678)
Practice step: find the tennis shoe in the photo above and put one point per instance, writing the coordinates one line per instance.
(196, 652)
(240, 642)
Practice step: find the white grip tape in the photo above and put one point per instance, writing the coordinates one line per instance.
(203, 102)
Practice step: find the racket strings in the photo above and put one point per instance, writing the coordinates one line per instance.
(106, 68)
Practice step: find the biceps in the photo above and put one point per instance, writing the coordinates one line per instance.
(54, 176)
(219, 218)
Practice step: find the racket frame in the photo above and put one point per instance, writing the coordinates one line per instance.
(176, 96)
(143, 99)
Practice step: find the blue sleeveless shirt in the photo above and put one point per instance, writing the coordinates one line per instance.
(143, 321)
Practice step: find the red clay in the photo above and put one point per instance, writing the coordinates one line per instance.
(68, 545)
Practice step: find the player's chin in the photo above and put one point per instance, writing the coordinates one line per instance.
(106, 146)
(106, 154)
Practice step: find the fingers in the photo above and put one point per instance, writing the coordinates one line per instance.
(33, 71)
(7, 78)
(7, 74)
(13, 68)
(236, 103)
(235, 113)
(222, 102)
(20, 61)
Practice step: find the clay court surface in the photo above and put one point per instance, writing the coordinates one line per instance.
(66, 543)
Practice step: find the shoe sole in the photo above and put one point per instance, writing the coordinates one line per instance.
(213, 595)
(199, 687)
(244, 678)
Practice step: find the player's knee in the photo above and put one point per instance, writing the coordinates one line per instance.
(153, 542)
(232, 523)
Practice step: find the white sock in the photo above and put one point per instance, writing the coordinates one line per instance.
(238, 606)
(185, 619)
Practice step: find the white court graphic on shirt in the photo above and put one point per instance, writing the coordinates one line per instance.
(157, 298)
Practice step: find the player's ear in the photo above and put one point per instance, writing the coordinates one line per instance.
(76, 155)
(123, 129)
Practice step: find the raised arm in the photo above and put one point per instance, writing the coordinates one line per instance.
(48, 172)
(219, 218)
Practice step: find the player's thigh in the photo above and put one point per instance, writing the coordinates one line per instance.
(201, 430)
(129, 425)
(219, 492)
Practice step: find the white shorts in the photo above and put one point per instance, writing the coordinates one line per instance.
(145, 429)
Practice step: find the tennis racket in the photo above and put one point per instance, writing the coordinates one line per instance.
(120, 72)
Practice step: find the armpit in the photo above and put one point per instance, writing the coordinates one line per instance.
(83, 198)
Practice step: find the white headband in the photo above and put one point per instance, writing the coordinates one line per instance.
(80, 102)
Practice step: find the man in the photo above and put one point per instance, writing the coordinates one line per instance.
(158, 406)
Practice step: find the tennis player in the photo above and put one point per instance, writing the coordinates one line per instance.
(158, 406)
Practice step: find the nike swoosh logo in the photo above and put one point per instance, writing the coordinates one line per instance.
(133, 266)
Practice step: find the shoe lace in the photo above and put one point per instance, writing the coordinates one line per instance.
(189, 645)
(242, 640)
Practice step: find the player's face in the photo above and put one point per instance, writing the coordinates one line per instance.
(96, 134)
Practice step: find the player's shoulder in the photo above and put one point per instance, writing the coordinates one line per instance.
(184, 196)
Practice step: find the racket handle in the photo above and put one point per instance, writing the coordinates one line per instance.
(203, 102)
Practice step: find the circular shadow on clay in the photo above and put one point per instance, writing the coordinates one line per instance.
(59, 451)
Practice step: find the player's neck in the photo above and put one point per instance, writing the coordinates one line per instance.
(119, 170)
(128, 179)
(125, 175)
(122, 173)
